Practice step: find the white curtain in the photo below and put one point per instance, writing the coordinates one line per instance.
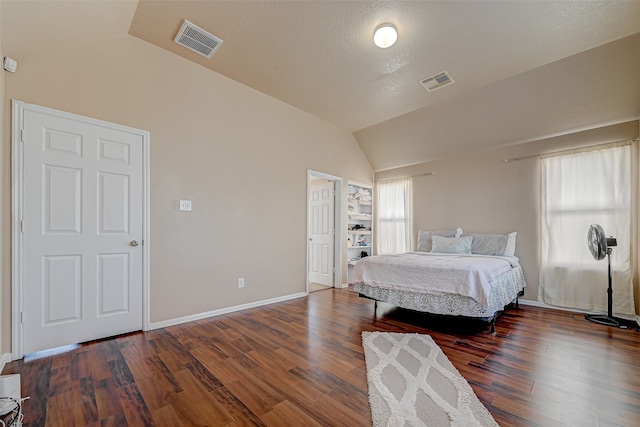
(580, 189)
(393, 216)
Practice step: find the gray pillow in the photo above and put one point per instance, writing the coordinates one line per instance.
(451, 245)
(424, 237)
(494, 244)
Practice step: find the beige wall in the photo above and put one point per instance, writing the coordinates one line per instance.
(239, 155)
(482, 194)
(5, 276)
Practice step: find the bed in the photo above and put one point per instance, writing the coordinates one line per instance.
(451, 276)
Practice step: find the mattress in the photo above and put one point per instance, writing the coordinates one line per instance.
(434, 284)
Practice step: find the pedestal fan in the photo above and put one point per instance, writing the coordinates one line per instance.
(599, 246)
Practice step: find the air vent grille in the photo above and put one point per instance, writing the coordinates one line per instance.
(437, 81)
(197, 40)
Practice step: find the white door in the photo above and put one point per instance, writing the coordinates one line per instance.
(321, 239)
(82, 230)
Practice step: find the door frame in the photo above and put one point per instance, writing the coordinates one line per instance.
(337, 225)
(17, 195)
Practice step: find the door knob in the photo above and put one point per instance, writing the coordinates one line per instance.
(134, 243)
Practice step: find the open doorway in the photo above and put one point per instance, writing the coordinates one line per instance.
(324, 251)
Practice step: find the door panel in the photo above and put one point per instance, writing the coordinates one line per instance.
(113, 284)
(322, 236)
(62, 283)
(82, 206)
(113, 203)
(62, 199)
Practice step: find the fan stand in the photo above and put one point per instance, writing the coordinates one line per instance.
(609, 319)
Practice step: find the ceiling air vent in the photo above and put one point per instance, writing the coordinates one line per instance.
(198, 40)
(437, 81)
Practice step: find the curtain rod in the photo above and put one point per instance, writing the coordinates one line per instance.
(628, 141)
(410, 176)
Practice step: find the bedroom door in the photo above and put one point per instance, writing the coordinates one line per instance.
(81, 230)
(322, 234)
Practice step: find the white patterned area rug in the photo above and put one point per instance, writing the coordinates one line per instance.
(412, 383)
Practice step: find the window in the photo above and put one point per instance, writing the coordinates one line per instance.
(394, 216)
(580, 189)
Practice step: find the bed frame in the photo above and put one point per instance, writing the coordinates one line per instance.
(490, 320)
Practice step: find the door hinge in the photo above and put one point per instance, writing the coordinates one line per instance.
(21, 226)
(333, 231)
(21, 135)
(334, 193)
(22, 317)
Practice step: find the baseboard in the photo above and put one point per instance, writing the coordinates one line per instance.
(574, 310)
(199, 316)
(4, 359)
(537, 304)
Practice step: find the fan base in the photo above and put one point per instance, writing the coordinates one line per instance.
(611, 321)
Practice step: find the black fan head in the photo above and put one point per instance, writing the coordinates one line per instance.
(597, 242)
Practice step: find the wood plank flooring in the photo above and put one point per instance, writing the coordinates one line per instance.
(300, 363)
(315, 287)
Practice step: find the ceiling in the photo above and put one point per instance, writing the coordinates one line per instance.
(523, 70)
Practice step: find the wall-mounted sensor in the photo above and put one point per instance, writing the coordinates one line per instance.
(9, 64)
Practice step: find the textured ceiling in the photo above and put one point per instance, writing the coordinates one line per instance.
(523, 70)
(591, 89)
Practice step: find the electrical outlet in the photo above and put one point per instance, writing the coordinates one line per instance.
(185, 205)
(241, 283)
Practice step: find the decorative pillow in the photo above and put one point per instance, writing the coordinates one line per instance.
(424, 237)
(494, 244)
(451, 245)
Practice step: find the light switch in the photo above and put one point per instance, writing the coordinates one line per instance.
(185, 205)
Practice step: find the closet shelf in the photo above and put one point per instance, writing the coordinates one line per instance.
(360, 217)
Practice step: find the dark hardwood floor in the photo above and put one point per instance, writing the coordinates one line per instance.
(300, 363)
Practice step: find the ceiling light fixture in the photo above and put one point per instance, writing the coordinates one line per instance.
(385, 36)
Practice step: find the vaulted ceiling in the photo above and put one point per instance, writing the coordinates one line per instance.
(523, 70)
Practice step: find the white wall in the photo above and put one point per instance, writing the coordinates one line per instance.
(482, 194)
(239, 155)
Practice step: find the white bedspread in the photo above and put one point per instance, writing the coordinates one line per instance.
(431, 273)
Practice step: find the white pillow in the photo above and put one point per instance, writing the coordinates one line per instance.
(511, 244)
(494, 244)
(424, 237)
(451, 245)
